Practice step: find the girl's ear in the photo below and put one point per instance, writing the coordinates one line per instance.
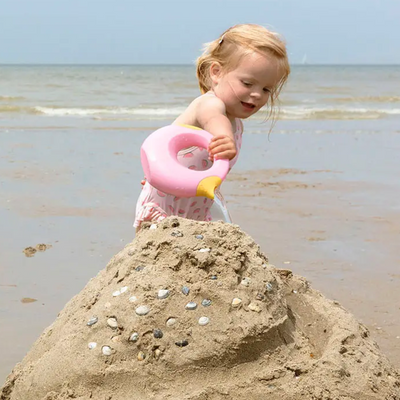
(215, 72)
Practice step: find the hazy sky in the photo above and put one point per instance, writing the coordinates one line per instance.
(173, 31)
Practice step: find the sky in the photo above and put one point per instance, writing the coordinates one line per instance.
(173, 31)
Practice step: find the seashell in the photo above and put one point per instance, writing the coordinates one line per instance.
(142, 310)
(200, 237)
(153, 226)
(254, 307)
(116, 339)
(260, 296)
(236, 302)
(134, 337)
(112, 322)
(294, 291)
(157, 333)
(141, 356)
(191, 305)
(157, 354)
(245, 282)
(185, 290)
(204, 250)
(123, 289)
(92, 321)
(107, 350)
(268, 287)
(92, 345)
(163, 293)
(214, 277)
(107, 305)
(206, 303)
(177, 234)
(204, 321)
(171, 322)
(182, 343)
(116, 293)
(139, 268)
(132, 299)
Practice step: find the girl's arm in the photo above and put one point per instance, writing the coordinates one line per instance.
(211, 116)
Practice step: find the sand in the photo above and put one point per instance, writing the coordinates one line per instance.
(284, 340)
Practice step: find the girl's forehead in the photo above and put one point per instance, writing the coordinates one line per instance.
(260, 66)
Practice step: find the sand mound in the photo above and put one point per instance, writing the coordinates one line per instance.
(278, 339)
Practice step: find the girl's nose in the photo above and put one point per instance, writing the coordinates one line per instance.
(256, 94)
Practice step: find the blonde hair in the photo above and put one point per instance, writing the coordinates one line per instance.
(236, 42)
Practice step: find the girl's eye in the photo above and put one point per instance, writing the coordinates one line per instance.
(247, 84)
(266, 90)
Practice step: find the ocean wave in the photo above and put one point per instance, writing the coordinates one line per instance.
(288, 112)
(367, 99)
(11, 98)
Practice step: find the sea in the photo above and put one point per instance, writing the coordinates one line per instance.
(90, 97)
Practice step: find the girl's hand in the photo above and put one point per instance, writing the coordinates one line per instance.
(222, 147)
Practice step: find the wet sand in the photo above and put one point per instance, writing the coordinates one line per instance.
(324, 206)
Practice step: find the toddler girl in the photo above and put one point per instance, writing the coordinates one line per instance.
(238, 73)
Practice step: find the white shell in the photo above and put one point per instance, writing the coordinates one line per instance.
(133, 299)
(153, 226)
(116, 339)
(204, 250)
(204, 321)
(245, 282)
(141, 356)
(107, 350)
(92, 345)
(123, 289)
(171, 322)
(116, 293)
(134, 337)
(142, 310)
(191, 306)
(236, 302)
(112, 323)
(254, 307)
(163, 294)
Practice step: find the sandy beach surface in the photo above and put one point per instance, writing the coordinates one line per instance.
(323, 205)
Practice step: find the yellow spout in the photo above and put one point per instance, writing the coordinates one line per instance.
(207, 186)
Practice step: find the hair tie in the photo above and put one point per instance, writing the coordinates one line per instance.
(221, 40)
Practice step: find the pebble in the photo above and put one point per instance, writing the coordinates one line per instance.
(92, 321)
(206, 303)
(158, 333)
(177, 234)
(141, 356)
(139, 268)
(116, 339)
(134, 337)
(92, 345)
(116, 293)
(191, 305)
(200, 237)
(112, 322)
(163, 294)
(171, 322)
(107, 305)
(142, 310)
(133, 299)
(204, 321)
(204, 250)
(214, 277)
(245, 282)
(182, 343)
(123, 289)
(185, 290)
(254, 307)
(236, 302)
(294, 291)
(107, 350)
(153, 226)
(268, 287)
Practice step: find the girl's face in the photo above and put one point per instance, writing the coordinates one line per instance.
(247, 88)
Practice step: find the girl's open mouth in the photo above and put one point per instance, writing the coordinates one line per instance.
(248, 106)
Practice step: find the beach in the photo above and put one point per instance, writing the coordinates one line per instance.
(319, 195)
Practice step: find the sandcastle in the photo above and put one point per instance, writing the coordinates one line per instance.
(194, 310)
